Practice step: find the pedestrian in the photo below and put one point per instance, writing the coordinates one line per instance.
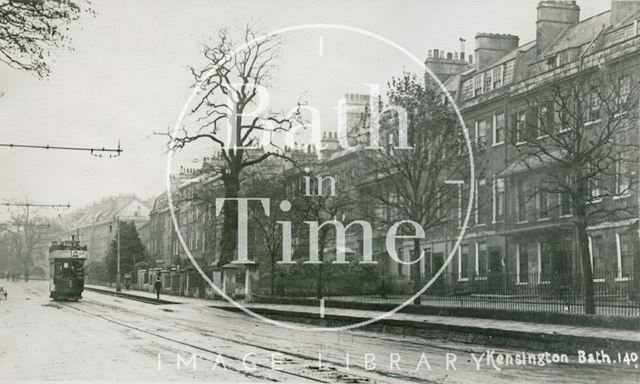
(158, 286)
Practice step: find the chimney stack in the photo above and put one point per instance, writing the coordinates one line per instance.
(444, 64)
(553, 17)
(491, 46)
(621, 9)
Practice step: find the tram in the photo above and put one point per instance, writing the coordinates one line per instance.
(66, 269)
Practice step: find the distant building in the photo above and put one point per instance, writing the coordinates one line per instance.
(195, 221)
(97, 223)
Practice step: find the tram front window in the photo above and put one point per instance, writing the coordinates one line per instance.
(68, 270)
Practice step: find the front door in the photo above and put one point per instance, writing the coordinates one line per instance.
(437, 261)
(495, 269)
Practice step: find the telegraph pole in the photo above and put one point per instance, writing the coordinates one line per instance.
(638, 188)
(118, 286)
(118, 282)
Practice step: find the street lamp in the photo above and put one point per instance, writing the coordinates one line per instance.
(118, 283)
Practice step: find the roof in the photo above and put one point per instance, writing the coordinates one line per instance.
(160, 202)
(574, 36)
(103, 211)
(579, 34)
(514, 53)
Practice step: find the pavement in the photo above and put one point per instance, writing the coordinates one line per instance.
(463, 329)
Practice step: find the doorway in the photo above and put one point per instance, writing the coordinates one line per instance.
(437, 261)
(495, 269)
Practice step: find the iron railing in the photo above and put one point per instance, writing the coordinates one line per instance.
(615, 294)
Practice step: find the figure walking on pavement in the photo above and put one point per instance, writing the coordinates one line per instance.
(158, 286)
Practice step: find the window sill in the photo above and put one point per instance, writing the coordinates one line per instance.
(522, 283)
(522, 222)
(542, 137)
(620, 197)
(544, 219)
(565, 216)
(481, 278)
(615, 116)
(546, 282)
(598, 280)
(497, 144)
(596, 201)
(519, 143)
(481, 225)
(620, 279)
(463, 279)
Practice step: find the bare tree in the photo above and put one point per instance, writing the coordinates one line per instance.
(32, 28)
(23, 234)
(229, 89)
(409, 184)
(581, 135)
(4, 250)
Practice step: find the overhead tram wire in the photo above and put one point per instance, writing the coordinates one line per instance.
(94, 151)
(36, 205)
(27, 205)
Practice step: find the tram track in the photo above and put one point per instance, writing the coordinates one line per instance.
(356, 374)
(153, 341)
(297, 361)
(197, 347)
(148, 300)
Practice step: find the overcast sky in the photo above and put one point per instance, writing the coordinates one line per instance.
(127, 77)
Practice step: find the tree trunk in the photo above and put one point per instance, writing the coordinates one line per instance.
(415, 272)
(273, 275)
(230, 219)
(26, 272)
(585, 258)
(383, 268)
(320, 285)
